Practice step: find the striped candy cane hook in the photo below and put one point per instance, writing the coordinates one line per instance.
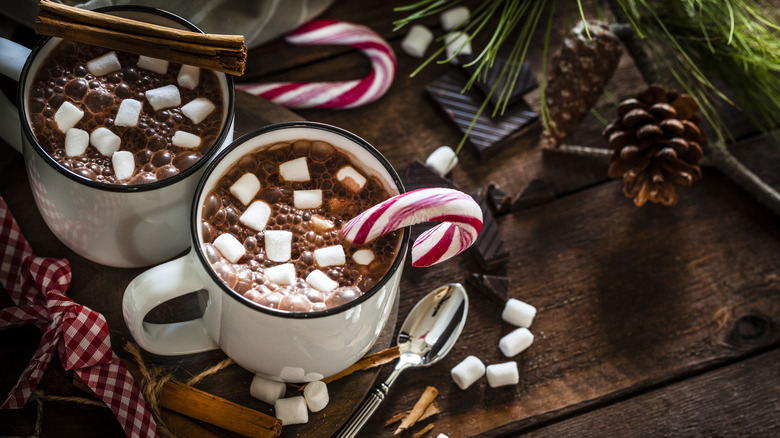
(341, 94)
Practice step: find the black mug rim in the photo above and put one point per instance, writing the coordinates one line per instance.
(400, 256)
(124, 188)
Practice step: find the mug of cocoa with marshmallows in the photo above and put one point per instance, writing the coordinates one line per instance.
(114, 143)
(299, 235)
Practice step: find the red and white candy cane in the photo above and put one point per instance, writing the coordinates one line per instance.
(341, 94)
(460, 215)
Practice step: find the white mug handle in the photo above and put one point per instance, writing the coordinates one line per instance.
(156, 286)
(11, 64)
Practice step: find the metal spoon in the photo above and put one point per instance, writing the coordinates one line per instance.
(427, 334)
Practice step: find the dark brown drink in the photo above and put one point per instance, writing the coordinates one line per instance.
(312, 229)
(65, 77)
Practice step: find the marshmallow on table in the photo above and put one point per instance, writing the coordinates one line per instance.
(281, 274)
(256, 215)
(417, 40)
(457, 43)
(245, 188)
(291, 410)
(363, 256)
(452, 18)
(442, 160)
(518, 313)
(316, 395)
(189, 76)
(186, 140)
(67, 116)
(502, 374)
(304, 199)
(124, 164)
(230, 247)
(103, 65)
(330, 256)
(76, 142)
(468, 371)
(197, 109)
(295, 170)
(351, 178)
(441, 435)
(153, 64)
(267, 390)
(320, 281)
(278, 245)
(105, 141)
(128, 113)
(515, 342)
(164, 97)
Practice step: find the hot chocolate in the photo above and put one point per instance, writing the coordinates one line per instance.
(119, 118)
(270, 227)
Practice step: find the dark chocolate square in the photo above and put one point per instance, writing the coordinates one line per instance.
(499, 199)
(489, 249)
(536, 193)
(526, 81)
(493, 287)
(417, 175)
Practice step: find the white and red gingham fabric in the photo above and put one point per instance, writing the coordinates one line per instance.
(38, 285)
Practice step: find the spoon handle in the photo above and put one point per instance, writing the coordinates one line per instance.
(368, 407)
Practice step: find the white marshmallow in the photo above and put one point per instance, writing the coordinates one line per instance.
(518, 313)
(502, 374)
(183, 139)
(363, 256)
(330, 256)
(281, 274)
(515, 342)
(67, 116)
(245, 188)
(76, 142)
(468, 371)
(291, 410)
(189, 76)
(164, 97)
(103, 65)
(128, 113)
(197, 110)
(442, 160)
(267, 390)
(256, 215)
(441, 435)
(292, 374)
(316, 395)
(320, 281)
(452, 18)
(153, 64)
(230, 247)
(351, 178)
(304, 199)
(105, 141)
(417, 41)
(124, 164)
(278, 245)
(295, 170)
(457, 43)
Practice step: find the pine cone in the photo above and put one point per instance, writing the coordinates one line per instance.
(656, 144)
(580, 70)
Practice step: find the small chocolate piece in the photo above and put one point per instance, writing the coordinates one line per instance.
(526, 81)
(491, 286)
(537, 192)
(488, 134)
(489, 249)
(417, 175)
(499, 199)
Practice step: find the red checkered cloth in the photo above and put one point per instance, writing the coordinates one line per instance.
(37, 285)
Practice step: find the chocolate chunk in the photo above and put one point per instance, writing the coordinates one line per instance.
(526, 81)
(489, 249)
(500, 201)
(417, 175)
(491, 286)
(489, 134)
(537, 192)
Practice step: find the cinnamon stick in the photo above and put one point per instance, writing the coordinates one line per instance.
(423, 431)
(225, 53)
(366, 362)
(429, 412)
(427, 397)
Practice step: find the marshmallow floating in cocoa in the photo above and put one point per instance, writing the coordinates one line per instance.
(245, 188)
(457, 43)
(291, 410)
(278, 245)
(281, 274)
(468, 371)
(351, 178)
(153, 64)
(229, 247)
(185, 140)
(518, 313)
(103, 65)
(502, 374)
(454, 17)
(417, 40)
(320, 281)
(442, 160)
(363, 256)
(67, 116)
(128, 113)
(267, 390)
(124, 164)
(256, 215)
(295, 170)
(515, 342)
(316, 395)
(76, 142)
(188, 77)
(164, 97)
(105, 141)
(330, 256)
(197, 109)
(305, 199)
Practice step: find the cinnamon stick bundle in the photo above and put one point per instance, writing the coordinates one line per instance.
(225, 53)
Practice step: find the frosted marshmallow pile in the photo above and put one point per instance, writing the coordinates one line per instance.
(456, 42)
(291, 410)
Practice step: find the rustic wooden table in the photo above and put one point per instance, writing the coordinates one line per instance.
(653, 321)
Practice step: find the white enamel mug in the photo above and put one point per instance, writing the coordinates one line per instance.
(281, 345)
(114, 225)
